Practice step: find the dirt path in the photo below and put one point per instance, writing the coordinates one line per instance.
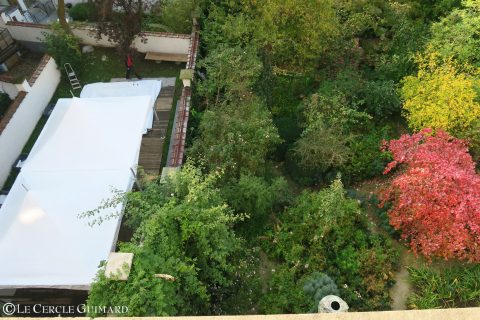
(402, 287)
(400, 290)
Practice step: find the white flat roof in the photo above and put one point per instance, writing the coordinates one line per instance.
(87, 149)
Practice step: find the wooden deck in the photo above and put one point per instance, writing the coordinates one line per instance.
(151, 149)
(152, 143)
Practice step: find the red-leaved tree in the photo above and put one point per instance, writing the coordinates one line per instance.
(435, 195)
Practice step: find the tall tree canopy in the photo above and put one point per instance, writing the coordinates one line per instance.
(458, 34)
(435, 195)
(442, 95)
(293, 35)
(120, 22)
(237, 136)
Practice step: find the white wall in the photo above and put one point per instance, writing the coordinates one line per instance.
(163, 44)
(156, 42)
(87, 37)
(21, 125)
(27, 33)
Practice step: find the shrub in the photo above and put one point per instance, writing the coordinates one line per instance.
(380, 98)
(83, 12)
(327, 232)
(182, 228)
(258, 198)
(64, 48)
(318, 286)
(366, 160)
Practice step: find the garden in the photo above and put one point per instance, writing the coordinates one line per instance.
(333, 148)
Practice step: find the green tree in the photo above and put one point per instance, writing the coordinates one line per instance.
(321, 147)
(442, 95)
(296, 34)
(330, 122)
(120, 22)
(378, 98)
(431, 10)
(457, 34)
(238, 137)
(293, 36)
(231, 73)
(184, 229)
(177, 15)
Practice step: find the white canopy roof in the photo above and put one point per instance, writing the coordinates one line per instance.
(149, 88)
(85, 151)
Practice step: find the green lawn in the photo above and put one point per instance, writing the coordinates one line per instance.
(104, 64)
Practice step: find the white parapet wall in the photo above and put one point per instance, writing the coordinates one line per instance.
(21, 124)
(27, 32)
(164, 43)
(31, 35)
(431, 314)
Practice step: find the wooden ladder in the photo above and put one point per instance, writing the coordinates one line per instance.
(72, 77)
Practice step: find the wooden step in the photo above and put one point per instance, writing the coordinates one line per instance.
(166, 92)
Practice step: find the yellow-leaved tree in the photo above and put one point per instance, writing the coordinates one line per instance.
(442, 96)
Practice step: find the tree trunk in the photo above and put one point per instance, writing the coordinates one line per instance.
(61, 16)
(107, 9)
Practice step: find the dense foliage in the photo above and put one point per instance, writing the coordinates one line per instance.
(327, 232)
(183, 229)
(436, 197)
(64, 47)
(236, 136)
(287, 95)
(83, 12)
(452, 287)
(120, 22)
(172, 16)
(456, 35)
(442, 96)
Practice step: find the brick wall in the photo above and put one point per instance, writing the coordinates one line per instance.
(38, 70)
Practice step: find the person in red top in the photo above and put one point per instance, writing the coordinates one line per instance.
(130, 68)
